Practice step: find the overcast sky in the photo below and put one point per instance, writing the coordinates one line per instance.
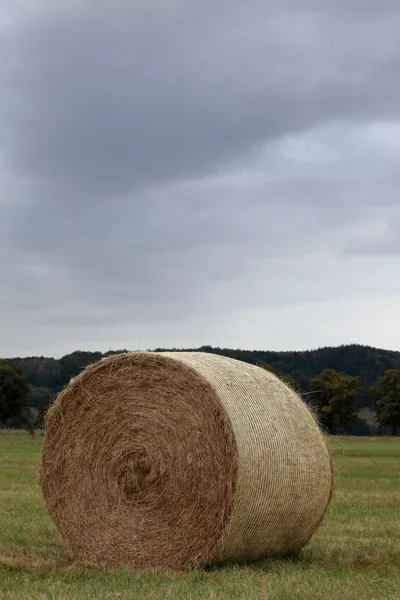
(180, 173)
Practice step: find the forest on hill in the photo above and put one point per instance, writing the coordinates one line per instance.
(50, 375)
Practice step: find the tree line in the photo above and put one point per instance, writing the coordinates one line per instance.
(336, 382)
(335, 398)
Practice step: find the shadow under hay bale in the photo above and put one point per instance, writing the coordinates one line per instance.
(182, 459)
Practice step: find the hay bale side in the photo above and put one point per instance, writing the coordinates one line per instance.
(181, 459)
(284, 478)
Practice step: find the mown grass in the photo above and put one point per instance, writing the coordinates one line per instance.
(354, 555)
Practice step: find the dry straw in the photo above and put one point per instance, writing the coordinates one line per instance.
(182, 459)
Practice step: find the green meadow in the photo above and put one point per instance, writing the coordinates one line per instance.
(355, 555)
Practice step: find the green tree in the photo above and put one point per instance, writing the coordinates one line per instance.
(335, 396)
(386, 399)
(14, 391)
(45, 402)
(26, 420)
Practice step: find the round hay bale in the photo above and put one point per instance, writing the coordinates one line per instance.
(182, 459)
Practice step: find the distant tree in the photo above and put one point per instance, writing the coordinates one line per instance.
(45, 402)
(386, 398)
(75, 363)
(28, 420)
(14, 391)
(335, 396)
(42, 372)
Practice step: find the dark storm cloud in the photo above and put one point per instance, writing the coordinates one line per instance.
(106, 97)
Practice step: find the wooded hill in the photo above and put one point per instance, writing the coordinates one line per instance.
(367, 363)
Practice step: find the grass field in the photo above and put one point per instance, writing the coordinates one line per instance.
(354, 556)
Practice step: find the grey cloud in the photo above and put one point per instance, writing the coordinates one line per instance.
(384, 243)
(169, 168)
(109, 100)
